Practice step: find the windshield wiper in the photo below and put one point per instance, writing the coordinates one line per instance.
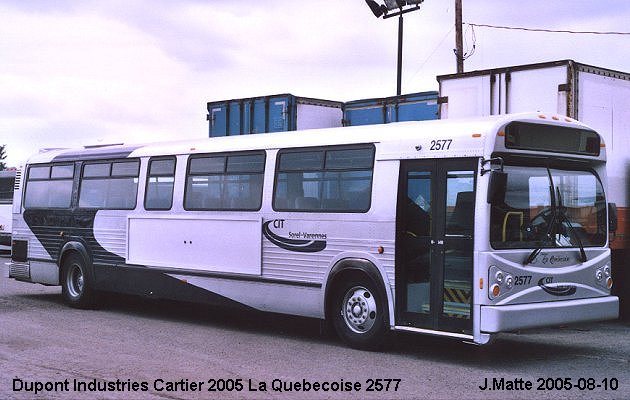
(564, 218)
(554, 212)
(558, 215)
(532, 256)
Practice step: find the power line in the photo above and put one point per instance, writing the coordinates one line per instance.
(430, 55)
(468, 54)
(517, 28)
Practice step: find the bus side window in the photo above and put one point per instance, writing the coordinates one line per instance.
(231, 181)
(49, 186)
(160, 184)
(335, 179)
(6, 190)
(109, 185)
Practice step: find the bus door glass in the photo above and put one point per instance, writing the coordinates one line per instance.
(434, 250)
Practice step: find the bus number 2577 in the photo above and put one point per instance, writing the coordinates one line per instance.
(442, 144)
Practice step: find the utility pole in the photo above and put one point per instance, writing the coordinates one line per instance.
(400, 48)
(459, 37)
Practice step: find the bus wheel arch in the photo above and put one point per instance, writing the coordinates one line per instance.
(76, 277)
(356, 304)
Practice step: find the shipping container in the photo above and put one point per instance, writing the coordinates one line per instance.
(408, 107)
(275, 113)
(598, 97)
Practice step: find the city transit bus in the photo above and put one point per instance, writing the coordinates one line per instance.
(457, 228)
(7, 181)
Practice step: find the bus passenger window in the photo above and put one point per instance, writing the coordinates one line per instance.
(109, 185)
(6, 189)
(160, 184)
(324, 180)
(225, 182)
(49, 186)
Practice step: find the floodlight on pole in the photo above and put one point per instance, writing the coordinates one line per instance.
(384, 10)
(393, 4)
(377, 9)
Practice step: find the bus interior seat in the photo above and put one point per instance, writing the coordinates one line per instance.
(461, 220)
(306, 203)
(334, 204)
(512, 229)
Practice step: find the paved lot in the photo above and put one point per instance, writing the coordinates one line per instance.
(134, 348)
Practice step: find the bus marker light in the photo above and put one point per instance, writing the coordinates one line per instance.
(380, 250)
(609, 283)
(496, 290)
(480, 283)
(476, 135)
(542, 116)
(555, 118)
(501, 134)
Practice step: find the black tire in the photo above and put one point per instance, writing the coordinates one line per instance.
(77, 288)
(358, 314)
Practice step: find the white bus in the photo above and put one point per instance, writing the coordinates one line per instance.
(7, 181)
(459, 228)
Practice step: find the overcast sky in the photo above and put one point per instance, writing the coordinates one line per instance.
(75, 73)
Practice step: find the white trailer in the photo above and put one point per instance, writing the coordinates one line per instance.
(598, 97)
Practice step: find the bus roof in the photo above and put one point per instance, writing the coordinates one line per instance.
(395, 137)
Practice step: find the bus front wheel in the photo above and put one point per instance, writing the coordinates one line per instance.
(358, 314)
(76, 284)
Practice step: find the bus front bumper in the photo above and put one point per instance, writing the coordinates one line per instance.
(496, 319)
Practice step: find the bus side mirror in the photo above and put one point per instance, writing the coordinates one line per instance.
(497, 187)
(612, 217)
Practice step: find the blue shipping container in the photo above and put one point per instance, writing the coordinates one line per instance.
(408, 107)
(276, 113)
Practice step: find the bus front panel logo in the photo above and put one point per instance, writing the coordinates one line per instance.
(556, 290)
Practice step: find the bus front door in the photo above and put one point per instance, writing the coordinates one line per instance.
(434, 244)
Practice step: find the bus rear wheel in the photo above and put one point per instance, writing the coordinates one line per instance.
(76, 283)
(358, 314)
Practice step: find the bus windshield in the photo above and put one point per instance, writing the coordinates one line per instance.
(549, 208)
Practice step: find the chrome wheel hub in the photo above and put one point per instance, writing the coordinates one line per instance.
(75, 281)
(359, 309)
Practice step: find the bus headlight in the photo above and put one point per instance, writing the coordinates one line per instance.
(500, 282)
(509, 282)
(599, 275)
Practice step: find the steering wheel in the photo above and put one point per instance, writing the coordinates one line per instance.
(539, 224)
